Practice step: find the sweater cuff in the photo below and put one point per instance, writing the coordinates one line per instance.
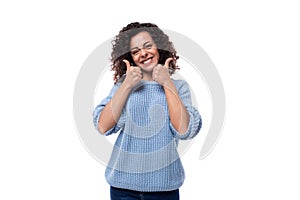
(178, 135)
(195, 124)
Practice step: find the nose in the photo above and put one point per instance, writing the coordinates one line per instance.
(144, 53)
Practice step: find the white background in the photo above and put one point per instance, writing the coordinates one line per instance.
(255, 46)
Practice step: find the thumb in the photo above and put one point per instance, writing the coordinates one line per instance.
(168, 62)
(127, 64)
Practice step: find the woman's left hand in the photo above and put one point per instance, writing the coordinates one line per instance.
(161, 73)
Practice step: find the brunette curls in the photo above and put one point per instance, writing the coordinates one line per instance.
(121, 47)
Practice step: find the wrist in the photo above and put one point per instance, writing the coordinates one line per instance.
(168, 83)
(127, 86)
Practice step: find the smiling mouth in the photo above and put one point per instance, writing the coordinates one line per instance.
(147, 60)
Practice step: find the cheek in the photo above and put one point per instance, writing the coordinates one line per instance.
(157, 56)
(156, 53)
(135, 59)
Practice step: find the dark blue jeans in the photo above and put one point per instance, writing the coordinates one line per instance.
(123, 194)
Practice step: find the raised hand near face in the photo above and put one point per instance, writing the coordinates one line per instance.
(133, 74)
(161, 73)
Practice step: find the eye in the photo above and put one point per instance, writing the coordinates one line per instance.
(134, 52)
(149, 46)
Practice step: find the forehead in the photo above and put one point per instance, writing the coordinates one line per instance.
(139, 39)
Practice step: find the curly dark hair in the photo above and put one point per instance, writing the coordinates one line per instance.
(121, 47)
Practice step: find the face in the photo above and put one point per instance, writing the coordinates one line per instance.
(144, 51)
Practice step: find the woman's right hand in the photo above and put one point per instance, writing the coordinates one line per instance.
(133, 74)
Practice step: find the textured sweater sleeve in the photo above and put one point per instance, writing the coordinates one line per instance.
(195, 122)
(98, 109)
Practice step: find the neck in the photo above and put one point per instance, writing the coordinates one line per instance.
(147, 76)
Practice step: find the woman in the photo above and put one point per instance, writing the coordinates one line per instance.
(150, 111)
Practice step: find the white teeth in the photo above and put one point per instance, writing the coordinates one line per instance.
(147, 61)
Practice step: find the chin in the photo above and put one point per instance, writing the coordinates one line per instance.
(148, 68)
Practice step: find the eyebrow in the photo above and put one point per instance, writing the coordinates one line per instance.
(143, 45)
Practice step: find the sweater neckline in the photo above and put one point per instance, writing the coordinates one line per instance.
(151, 82)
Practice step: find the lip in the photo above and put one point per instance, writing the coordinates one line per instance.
(146, 60)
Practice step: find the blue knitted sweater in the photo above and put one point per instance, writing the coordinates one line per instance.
(145, 156)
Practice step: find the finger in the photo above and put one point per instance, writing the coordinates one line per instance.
(153, 77)
(154, 74)
(168, 62)
(127, 64)
(140, 76)
(138, 71)
(154, 71)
